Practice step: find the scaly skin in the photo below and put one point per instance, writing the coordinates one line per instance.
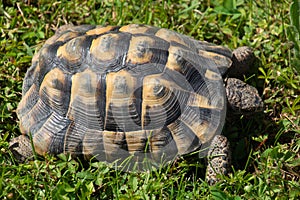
(219, 159)
(21, 148)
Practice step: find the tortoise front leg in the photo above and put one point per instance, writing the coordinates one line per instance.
(219, 159)
(242, 98)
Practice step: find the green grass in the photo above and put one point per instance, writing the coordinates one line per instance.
(266, 148)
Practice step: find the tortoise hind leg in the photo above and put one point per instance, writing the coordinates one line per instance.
(219, 158)
(21, 148)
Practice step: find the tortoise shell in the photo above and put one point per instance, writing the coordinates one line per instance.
(116, 92)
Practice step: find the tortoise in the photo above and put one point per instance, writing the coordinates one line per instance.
(130, 94)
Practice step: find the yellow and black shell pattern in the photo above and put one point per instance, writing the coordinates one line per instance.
(119, 92)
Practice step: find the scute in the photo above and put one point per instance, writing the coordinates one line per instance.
(116, 92)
